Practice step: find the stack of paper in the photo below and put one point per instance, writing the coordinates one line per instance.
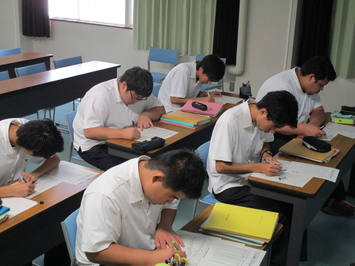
(241, 223)
(184, 119)
(213, 109)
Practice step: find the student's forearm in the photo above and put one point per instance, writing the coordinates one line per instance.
(103, 133)
(236, 168)
(47, 166)
(167, 218)
(317, 117)
(155, 113)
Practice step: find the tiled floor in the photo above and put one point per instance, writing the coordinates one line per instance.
(331, 240)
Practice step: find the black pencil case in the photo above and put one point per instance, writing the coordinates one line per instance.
(148, 145)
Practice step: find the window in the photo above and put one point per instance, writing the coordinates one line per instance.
(108, 12)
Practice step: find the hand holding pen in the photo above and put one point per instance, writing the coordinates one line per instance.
(272, 167)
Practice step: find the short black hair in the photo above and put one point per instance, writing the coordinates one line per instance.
(320, 66)
(42, 137)
(213, 67)
(138, 80)
(282, 108)
(183, 169)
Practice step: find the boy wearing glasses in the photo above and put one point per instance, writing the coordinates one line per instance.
(116, 108)
(22, 140)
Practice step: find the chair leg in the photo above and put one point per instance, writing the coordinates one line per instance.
(194, 208)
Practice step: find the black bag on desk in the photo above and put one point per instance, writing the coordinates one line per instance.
(148, 145)
(315, 144)
(245, 92)
(347, 110)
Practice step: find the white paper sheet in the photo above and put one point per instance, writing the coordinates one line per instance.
(298, 174)
(333, 129)
(205, 250)
(149, 133)
(17, 205)
(227, 99)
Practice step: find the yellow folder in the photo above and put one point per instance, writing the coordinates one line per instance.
(243, 221)
(188, 117)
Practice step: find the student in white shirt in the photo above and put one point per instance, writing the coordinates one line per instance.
(128, 211)
(116, 108)
(22, 140)
(240, 139)
(184, 82)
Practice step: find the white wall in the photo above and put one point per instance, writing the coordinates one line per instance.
(269, 41)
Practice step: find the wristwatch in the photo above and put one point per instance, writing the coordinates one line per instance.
(269, 152)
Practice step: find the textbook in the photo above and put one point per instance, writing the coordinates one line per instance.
(194, 119)
(241, 221)
(295, 147)
(213, 109)
(177, 123)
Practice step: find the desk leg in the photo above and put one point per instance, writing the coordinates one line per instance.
(296, 232)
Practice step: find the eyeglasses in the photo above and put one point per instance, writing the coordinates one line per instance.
(135, 98)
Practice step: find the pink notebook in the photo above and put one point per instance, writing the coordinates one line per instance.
(213, 109)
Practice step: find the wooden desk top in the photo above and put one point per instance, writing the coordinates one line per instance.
(344, 144)
(195, 224)
(53, 75)
(50, 198)
(10, 59)
(182, 132)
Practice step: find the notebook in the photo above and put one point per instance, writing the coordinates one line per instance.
(194, 119)
(296, 148)
(213, 109)
(243, 221)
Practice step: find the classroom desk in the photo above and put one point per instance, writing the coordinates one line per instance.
(26, 95)
(10, 62)
(195, 224)
(186, 138)
(37, 230)
(308, 200)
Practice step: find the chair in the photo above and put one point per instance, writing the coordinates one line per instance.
(209, 198)
(219, 84)
(156, 89)
(33, 69)
(69, 118)
(4, 75)
(162, 56)
(58, 63)
(69, 228)
(11, 51)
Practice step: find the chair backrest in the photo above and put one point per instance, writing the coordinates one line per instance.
(69, 228)
(11, 51)
(163, 55)
(156, 89)
(70, 118)
(31, 69)
(4, 75)
(58, 63)
(203, 151)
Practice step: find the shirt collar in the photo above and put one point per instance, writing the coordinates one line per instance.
(137, 193)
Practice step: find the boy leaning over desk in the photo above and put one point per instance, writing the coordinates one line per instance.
(22, 140)
(126, 214)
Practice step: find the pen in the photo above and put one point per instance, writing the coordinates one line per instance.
(321, 127)
(175, 245)
(133, 124)
(23, 179)
(268, 161)
(208, 94)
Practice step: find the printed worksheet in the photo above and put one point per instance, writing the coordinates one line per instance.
(203, 250)
(149, 133)
(333, 129)
(298, 174)
(227, 99)
(17, 205)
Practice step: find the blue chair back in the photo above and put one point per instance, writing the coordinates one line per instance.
(156, 89)
(69, 117)
(160, 55)
(58, 63)
(69, 228)
(31, 69)
(203, 151)
(4, 75)
(163, 55)
(11, 51)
